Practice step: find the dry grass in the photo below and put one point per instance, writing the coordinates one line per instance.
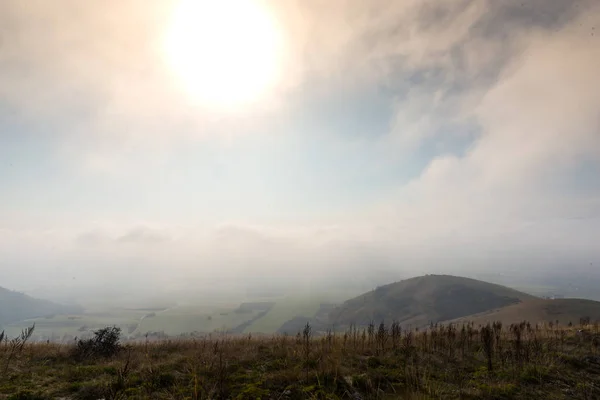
(446, 362)
(561, 310)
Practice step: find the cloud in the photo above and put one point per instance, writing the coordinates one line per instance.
(141, 235)
(498, 99)
(99, 72)
(539, 122)
(93, 238)
(144, 235)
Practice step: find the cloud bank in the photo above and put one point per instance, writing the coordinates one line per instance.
(490, 146)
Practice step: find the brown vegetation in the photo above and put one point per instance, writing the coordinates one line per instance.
(561, 311)
(466, 361)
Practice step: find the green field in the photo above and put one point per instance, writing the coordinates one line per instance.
(185, 319)
(75, 325)
(173, 321)
(284, 310)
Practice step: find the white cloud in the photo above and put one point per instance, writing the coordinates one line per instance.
(538, 121)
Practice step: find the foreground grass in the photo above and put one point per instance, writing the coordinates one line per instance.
(445, 362)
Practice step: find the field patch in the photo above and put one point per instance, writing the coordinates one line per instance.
(67, 327)
(284, 310)
(189, 319)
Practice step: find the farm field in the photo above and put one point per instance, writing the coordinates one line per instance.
(296, 305)
(173, 321)
(58, 326)
(186, 319)
(284, 310)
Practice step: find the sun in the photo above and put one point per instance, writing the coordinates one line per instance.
(224, 53)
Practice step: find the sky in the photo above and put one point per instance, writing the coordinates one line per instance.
(394, 138)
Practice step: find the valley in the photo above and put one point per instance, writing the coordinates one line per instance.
(413, 303)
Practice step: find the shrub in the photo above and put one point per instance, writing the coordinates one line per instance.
(105, 343)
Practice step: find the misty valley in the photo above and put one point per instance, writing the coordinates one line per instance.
(259, 313)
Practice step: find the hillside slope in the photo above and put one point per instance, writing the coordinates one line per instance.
(419, 301)
(539, 310)
(15, 306)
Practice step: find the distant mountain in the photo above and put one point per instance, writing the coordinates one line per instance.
(419, 301)
(15, 306)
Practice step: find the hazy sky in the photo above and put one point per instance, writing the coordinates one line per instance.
(415, 135)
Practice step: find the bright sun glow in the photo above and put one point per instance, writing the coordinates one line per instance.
(224, 52)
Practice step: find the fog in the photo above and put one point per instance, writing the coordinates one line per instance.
(401, 138)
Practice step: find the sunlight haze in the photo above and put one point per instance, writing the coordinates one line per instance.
(173, 151)
(226, 52)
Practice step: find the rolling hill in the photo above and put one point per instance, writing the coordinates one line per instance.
(15, 306)
(421, 300)
(539, 310)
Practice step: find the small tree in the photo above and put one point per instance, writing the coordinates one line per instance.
(307, 337)
(487, 340)
(381, 337)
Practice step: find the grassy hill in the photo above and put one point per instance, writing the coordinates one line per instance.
(539, 310)
(15, 306)
(431, 298)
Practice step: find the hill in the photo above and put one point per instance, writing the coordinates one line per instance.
(15, 306)
(421, 300)
(539, 310)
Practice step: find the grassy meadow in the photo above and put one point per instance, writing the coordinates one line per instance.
(520, 361)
